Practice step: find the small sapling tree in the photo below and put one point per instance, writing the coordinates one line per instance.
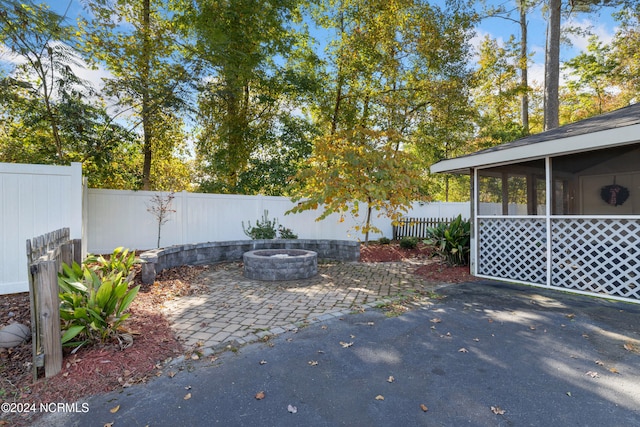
(160, 206)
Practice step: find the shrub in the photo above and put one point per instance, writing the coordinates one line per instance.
(94, 298)
(264, 229)
(452, 242)
(409, 242)
(384, 241)
(286, 233)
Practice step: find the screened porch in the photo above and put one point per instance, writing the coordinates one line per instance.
(567, 221)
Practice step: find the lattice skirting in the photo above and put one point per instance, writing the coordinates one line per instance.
(595, 255)
(513, 249)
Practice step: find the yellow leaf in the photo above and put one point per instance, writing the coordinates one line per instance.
(424, 407)
(313, 362)
(187, 396)
(390, 379)
(379, 397)
(260, 395)
(114, 409)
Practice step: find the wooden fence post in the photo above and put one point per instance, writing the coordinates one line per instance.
(49, 316)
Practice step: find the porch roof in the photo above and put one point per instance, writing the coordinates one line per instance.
(619, 127)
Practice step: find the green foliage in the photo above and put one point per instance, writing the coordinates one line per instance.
(453, 241)
(264, 229)
(384, 240)
(409, 242)
(94, 298)
(286, 233)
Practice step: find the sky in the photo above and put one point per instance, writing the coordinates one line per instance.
(600, 23)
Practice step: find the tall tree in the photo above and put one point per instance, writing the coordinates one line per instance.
(42, 39)
(552, 67)
(250, 88)
(137, 41)
(391, 67)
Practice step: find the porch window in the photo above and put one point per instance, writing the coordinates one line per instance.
(512, 190)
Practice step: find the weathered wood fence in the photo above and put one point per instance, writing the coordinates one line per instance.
(416, 227)
(45, 255)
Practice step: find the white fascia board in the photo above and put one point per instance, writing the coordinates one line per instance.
(572, 144)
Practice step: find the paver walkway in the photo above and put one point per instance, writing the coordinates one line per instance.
(241, 310)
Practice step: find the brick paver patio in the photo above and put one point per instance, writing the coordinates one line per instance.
(239, 310)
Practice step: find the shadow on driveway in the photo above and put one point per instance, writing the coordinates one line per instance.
(545, 358)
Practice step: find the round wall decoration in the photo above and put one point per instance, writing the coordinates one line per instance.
(614, 194)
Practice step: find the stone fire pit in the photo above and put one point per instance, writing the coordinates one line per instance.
(280, 264)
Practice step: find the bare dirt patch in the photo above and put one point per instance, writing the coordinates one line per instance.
(100, 369)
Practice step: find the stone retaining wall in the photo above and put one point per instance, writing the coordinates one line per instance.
(156, 260)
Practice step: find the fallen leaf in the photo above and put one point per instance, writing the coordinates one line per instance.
(631, 347)
(585, 336)
(476, 339)
(370, 323)
(593, 374)
(424, 407)
(320, 351)
(497, 410)
(187, 387)
(313, 362)
(114, 409)
(613, 371)
(346, 344)
(108, 425)
(379, 397)
(187, 396)
(463, 350)
(292, 409)
(263, 362)
(352, 336)
(323, 327)
(490, 320)
(260, 395)
(390, 379)
(448, 334)
(195, 357)
(571, 315)
(171, 374)
(569, 393)
(533, 328)
(599, 363)
(435, 320)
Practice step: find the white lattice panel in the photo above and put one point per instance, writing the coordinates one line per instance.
(597, 255)
(513, 248)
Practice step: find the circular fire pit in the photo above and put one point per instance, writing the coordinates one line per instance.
(280, 264)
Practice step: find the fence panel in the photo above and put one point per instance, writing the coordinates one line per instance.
(120, 218)
(45, 255)
(34, 199)
(417, 227)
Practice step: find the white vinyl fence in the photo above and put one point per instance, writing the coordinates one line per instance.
(121, 218)
(34, 200)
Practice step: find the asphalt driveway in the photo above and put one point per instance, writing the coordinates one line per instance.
(487, 354)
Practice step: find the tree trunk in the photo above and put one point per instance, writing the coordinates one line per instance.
(146, 98)
(524, 101)
(552, 68)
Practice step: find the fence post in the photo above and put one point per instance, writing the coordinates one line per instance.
(48, 304)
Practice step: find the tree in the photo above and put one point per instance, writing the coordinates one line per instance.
(392, 69)
(626, 55)
(589, 88)
(137, 42)
(250, 91)
(42, 39)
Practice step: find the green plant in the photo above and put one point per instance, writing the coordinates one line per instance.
(452, 242)
(409, 242)
(384, 240)
(94, 298)
(286, 233)
(264, 229)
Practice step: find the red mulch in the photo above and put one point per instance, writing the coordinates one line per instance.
(103, 368)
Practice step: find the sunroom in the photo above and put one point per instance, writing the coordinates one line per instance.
(560, 209)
